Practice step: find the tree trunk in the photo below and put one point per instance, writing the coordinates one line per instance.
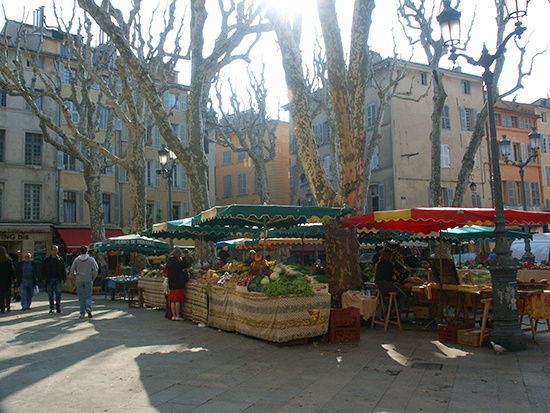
(92, 196)
(342, 266)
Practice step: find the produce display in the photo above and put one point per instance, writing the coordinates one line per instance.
(152, 273)
(269, 278)
(121, 278)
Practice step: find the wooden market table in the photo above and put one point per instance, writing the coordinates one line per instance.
(113, 284)
(536, 305)
(254, 314)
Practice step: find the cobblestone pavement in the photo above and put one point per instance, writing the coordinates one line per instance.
(131, 359)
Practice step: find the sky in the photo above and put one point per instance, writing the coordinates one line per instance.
(384, 29)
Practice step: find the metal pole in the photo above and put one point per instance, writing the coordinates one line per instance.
(506, 328)
(170, 208)
(528, 256)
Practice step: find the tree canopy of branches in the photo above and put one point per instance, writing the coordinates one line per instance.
(347, 82)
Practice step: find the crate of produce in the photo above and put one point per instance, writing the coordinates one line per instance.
(344, 335)
(447, 334)
(344, 318)
(320, 288)
(470, 336)
(425, 312)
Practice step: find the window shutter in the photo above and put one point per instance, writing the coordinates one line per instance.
(124, 135)
(115, 209)
(79, 165)
(155, 174)
(157, 208)
(445, 157)
(375, 160)
(547, 176)
(511, 186)
(80, 206)
(474, 119)
(381, 197)
(61, 214)
(156, 136)
(166, 99)
(523, 151)
(450, 196)
(184, 101)
(60, 160)
(183, 183)
(463, 120)
(184, 209)
(327, 162)
(527, 186)
(182, 133)
(520, 122)
(122, 174)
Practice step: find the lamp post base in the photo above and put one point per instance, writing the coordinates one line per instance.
(506, 323)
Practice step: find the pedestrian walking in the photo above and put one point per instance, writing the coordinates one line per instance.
(54, 272)
(26, 276)
(6, 280)
(176, 268)
(85, 270)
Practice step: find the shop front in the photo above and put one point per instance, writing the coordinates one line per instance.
(20, 239)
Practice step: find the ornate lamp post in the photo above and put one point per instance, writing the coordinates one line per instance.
(506, 151)
(167, 165)
(506, 329)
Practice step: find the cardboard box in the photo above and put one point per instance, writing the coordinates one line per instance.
(425, 312)
(470, 336)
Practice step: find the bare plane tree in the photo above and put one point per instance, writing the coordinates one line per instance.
(254, 131)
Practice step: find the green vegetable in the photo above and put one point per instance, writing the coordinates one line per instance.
(288, 286)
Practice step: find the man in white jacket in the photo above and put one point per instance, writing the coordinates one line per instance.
(84, 269)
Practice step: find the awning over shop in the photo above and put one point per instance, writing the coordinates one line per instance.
(75, 237)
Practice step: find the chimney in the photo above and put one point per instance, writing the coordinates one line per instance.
(38, 18)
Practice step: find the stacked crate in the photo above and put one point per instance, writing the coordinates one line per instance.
(344, 325)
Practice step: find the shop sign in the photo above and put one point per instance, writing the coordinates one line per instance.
(13, 236)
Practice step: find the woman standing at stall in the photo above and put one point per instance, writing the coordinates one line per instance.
(385, 277)
(176, 269)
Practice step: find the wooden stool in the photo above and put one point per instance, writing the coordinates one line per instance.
(486, 303)
(386, 314)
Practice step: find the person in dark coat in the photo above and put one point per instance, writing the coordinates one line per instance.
(385, 277)
(26, 276)
(54, 272)
(6, 280)
(176, 269)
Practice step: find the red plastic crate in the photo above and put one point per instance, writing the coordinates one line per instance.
(448, 334)
(344, 335)
(344, 318)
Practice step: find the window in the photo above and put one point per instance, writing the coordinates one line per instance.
(106, 208)
(156, 136)
(543, 117)
(375, 164)
(328, 133)
(476, 200)
(69, 206)
(70, 75)
(241, 156)
(183, 183)
(327, 162)
(149, 173)
(175, 211)
(467, 118)
(371, 115)
(3, 98)
(32, 195)
(226, 157)
(423, 78)
(528, 123)
(227, 186)
(172, 99)
(149, 212)
(2, 144)
(242, 183)
(513, 193)
(318, 133)
(33, 149)
(104, 118)
(69, 162)
(547, 176)
(535, 193)
(446, 118)
(75, 116)
(445, 157)
(39, 101)
(447, 197)
(466, 87)
(377, 198)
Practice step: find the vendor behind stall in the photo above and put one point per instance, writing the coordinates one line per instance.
(385, 277)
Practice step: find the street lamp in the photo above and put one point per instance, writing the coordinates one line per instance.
(167, 165)
(506, 151)
(506, 327)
